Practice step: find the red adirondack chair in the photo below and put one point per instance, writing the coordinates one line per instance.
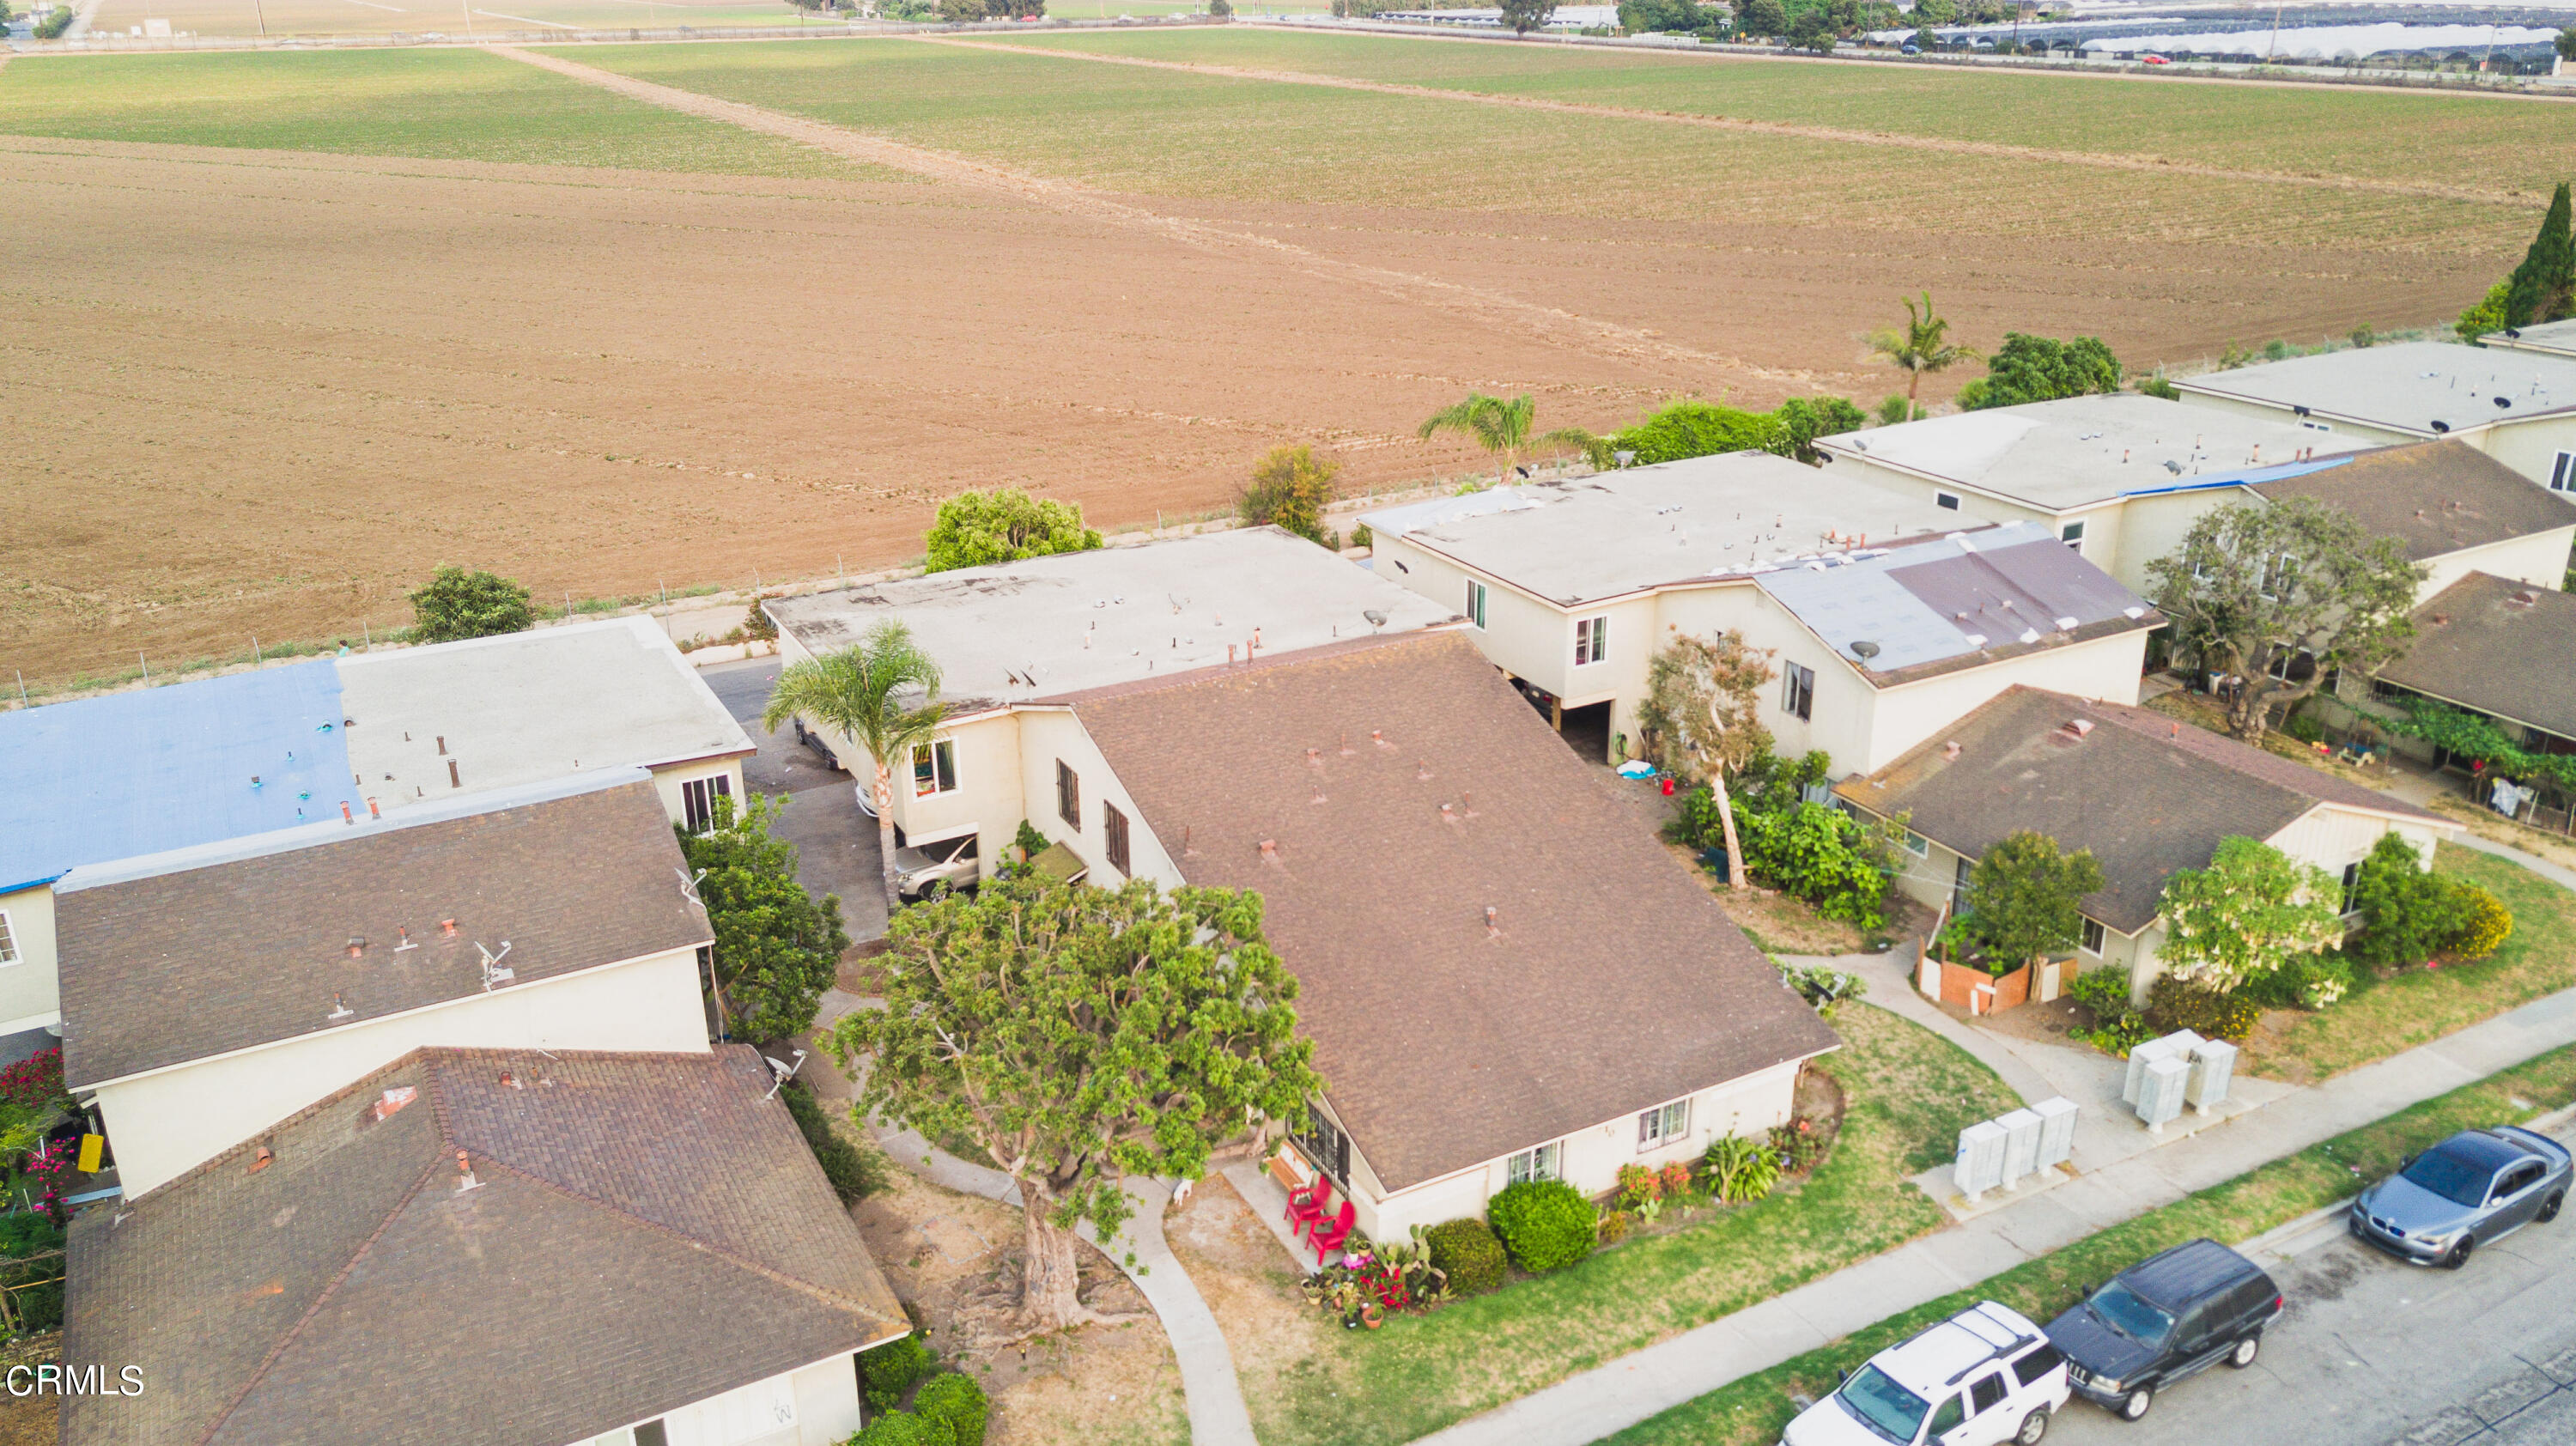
(1306, 1206)
(1329, 1238)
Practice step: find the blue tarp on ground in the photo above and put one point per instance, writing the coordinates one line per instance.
(165, 768)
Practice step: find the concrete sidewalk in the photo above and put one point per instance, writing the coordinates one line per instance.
(1607, 1399)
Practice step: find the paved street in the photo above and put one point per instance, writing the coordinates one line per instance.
(2375, 1353)
(836, 845)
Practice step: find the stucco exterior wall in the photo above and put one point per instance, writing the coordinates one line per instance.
(1050, 734)
(2104, 668)
(2539, 559)
(163, 1123)
(30, 991)
(667, 781)
(2336, 425)
(2530, 448)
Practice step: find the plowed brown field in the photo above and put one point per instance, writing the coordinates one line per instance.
(265, 391)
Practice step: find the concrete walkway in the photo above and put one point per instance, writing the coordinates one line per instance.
(1218, 1416)
(1891, 988)
(1609, 1398)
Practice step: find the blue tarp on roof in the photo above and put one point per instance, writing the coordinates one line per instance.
(165, 768)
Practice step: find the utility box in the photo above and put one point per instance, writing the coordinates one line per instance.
(2021, 1146)
(1980, 1166)
(2160, 1090)
(2178, 1043)
(2056, 1130)
(2213, 1069)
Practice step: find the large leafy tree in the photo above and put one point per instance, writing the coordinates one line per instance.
(1923, 346)
(2279, 595)
(1524, 16)
(881, 693)
(1078, 1035)
(456, 604)
(1003, 525)
(777, 946)
(2025, 895)
(2242, 918)
(1502, 427)
(1702, 717)
(2042, 369)
(2543, 287)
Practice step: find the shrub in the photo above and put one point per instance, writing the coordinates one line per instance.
(956, 1402)
(1005, 524)
(1290, 489)
(900, 1428)
(2041, 369)
(1616, 1225)
(1467, 1252)
(1544, 1224)
(2179, 1004)
(2160, 386)
(890, 1369)
(2408, 914)
(1895, 411)
(457, 604)
(1817, 854)
(2477, 321)
(756, 624)
(36, 1082)
(1740, 1171)
(1362, 537)
(1822, 987)
(56, 21)
(2485, 922)
(1798, 1144)
(853, 1171)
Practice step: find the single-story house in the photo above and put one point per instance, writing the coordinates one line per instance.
(150, 770)
(2492, 646)
(1888, 614)
(516, 1247)
(212, 990)
(1504, 974)
(2550, 338)
(2147, 794)
(2517, 406)
(2121, 478)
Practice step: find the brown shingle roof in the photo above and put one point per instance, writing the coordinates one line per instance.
(2147, 794)
(1614, 982)
(184, 965)
(2476, 645)
(2435, 497)
(649, 1231)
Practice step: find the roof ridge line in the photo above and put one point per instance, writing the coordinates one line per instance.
(259, 1372)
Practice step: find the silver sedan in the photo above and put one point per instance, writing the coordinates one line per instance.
(2470, 1190)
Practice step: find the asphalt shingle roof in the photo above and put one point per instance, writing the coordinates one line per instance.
(2498, 646)
(2435, 497)
(646, 1230)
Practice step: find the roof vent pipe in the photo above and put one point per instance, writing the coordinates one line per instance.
(452, 780)
(1950, 750)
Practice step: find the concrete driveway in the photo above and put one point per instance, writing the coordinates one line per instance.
(836, 845)
(2375, 1353)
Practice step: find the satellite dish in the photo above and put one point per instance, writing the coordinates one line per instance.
(2504, 401)
(2440, 426)
(1623, 458)
(1375, 618)
(1864, 649)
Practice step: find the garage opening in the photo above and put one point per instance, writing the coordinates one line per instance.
(1587, 731)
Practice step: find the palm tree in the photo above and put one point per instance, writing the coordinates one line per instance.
(1503, 428)
(864, 692)
(1919, 348)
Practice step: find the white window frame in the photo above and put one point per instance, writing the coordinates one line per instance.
(1475, 603)
(2562, 472)
(1798, 691)
(1539, 1162)
(698, 800)
(2091, 936)
(1915, 843)
(2351, 882)
(8, 942)
(1947, 501)
(2072, 534)
(941, 755)
(1591, 640)
(1659, 1127)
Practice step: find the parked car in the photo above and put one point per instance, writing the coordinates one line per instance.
(814, 740)
(2165, 1318)
(1910, 48)
(920, 868)
(2151, 58)
(1981, 1378)
(2475, 1187)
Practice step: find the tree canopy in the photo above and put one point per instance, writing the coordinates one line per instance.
(1524, 16)
(2281, 594)
(1704, 429)
(1004, 525)
(2242, 918)
(2543, 287)
(1078, 1035)
(1923, 346)
(1702, 718)
(866, 693)
(2025, 895)
(1502, 427)
(2042, 369)
(456, 604)
(1290, 489)
(777, 947)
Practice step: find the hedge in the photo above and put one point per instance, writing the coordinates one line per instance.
(1467, 1252)
(1544, 1223)
(956, 1402)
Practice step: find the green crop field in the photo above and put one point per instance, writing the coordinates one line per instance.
(444, 104)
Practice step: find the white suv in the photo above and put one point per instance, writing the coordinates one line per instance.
(1981, 1378)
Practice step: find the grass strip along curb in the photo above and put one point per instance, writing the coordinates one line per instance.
(1753, 1409)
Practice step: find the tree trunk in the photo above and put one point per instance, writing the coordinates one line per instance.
(1736, 878)
(1913, 383)
(885, 836)
(1050, 1277)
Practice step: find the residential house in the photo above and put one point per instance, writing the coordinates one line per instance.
(2550, 338)
(2492, 646)
(151, 770)
(1885, 618)
(210, 991)
(516, 1247)
(1504, 974)
(2147, 794)
(2518, 407)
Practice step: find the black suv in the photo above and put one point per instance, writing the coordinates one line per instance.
(2163, 1319)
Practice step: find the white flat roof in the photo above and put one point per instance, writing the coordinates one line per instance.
(1047, 626)
(2085, 450)
(522, 708)
(2558, 338)
(1639, 527)
(2411, 386)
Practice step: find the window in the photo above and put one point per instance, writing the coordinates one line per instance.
(2092, 936)
(2037, 1364)
(2280, 574)
(934, 768)
(8, 940)
(1947, 1418)
(1960, 869)
(1475, 602)
(1326, 1145)
(1987, 1394)
(1068, 795)
(2518, 1179)
(1113, 835)
(1591, 640)
(1798, 690)
(2562, 473)
(2317, 426)
(1663, 1124)
(698, 801)
(1949, 500)
(1543, 1163)
(2072, 534)
(2351, 887)
(1915, 843)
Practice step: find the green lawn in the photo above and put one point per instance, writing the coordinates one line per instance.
(445, 104)
(1908, 1093)
(1751, 1411)
(2385, 1016)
